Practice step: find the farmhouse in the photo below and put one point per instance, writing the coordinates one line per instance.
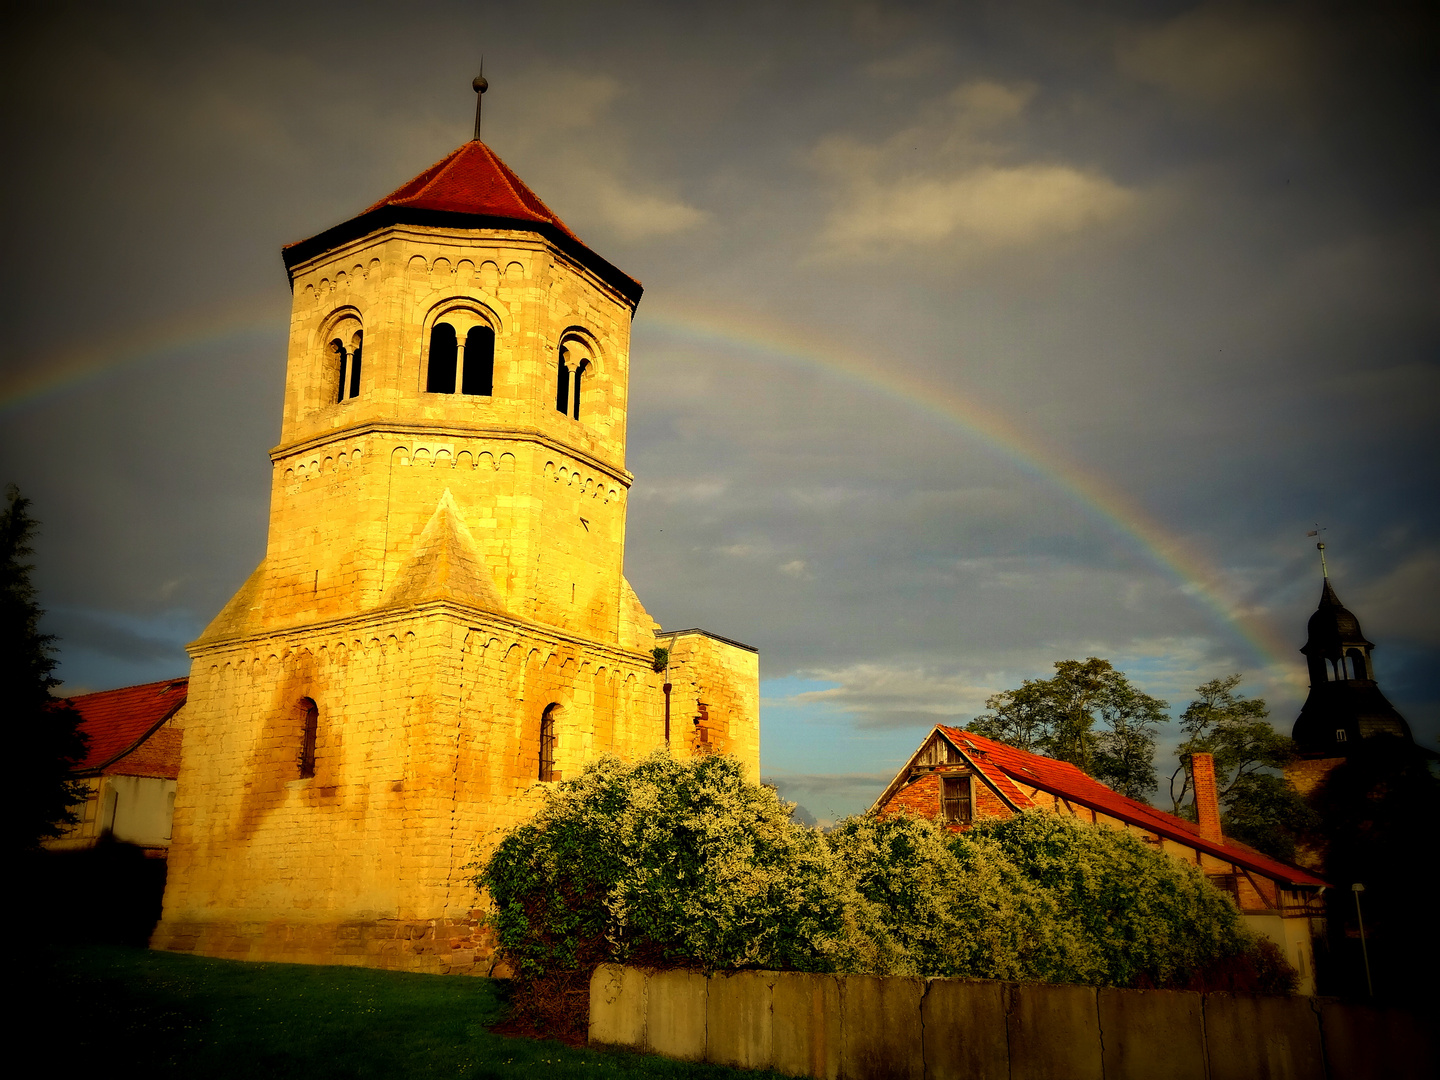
(131, 763)
(440, 626)
(958, 777)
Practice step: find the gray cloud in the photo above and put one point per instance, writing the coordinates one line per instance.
(1185, 253)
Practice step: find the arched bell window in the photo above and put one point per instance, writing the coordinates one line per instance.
(344, 347)
(453, 364)
(573, 367)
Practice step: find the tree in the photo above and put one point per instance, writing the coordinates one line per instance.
(1257, 806)
(1090, 715)
(43, 730)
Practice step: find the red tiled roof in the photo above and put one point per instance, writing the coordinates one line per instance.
(118, 721)
(1061, 778)
(473, 180)
(470, 182)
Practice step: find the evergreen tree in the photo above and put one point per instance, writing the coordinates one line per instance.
(44, 729)
(1090, 715)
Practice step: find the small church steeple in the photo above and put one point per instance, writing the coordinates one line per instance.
(1345, 704)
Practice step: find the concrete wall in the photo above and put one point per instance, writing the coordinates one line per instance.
(854, 1027)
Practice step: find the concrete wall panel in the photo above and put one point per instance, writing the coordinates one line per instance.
(1250, 1037)
(964, 1024)
(738, 1019)
(805, 1025)
(1151, 1033)
(617, 1006)
(881, 1037)
(1054, 1032)
(675, 1014)
(1365, 1043)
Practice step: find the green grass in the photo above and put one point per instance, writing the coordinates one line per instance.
(182, 1016)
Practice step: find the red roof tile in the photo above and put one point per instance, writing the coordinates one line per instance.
(118, 721)
(1065, 780)
(473, 180)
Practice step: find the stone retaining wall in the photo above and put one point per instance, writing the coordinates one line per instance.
(862, 1027)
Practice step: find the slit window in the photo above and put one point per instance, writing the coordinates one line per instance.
(308, 737)
(547, 742)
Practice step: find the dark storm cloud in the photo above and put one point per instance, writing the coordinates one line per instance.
(1188, 248)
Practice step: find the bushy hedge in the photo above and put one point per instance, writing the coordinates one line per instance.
(667, 863)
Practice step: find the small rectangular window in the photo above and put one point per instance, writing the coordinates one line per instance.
(955, 800)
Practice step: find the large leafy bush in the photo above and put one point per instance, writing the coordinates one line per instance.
(664, 862)
(686, 864)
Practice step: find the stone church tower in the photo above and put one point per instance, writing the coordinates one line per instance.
(441, 624)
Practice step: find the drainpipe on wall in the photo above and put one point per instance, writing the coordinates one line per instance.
(1207, 799)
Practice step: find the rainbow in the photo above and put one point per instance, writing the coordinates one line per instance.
(1176, 558)
(110, 352)
(765, 340)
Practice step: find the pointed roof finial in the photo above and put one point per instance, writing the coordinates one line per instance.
(480, 86)
(1320, 546)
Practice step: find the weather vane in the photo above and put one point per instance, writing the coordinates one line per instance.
(1320, 546)
(480, 86)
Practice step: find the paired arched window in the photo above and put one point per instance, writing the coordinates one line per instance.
(467, 367)
(309, 734)
(547, 742)
(347, 358)
(570, 368)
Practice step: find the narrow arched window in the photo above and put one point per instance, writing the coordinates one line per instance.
(337, 348)
(355, 366)
(479, 375)
(562, 382)
(547, 742)
(307, 739)
(1356, 660)
(580, 370)
(440, 374)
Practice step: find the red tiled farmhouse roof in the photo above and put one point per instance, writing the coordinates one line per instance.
(117, 721)
(1001, 764)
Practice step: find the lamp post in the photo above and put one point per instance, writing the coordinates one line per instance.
(1357, 889)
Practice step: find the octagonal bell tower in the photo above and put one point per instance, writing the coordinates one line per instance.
(441, 624)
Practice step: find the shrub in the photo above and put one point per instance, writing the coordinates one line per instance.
(666, 863)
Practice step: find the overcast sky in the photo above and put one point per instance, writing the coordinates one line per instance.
(975, 337)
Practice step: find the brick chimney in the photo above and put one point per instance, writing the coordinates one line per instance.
(1207, 801)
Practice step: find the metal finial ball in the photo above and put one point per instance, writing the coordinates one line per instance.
(480, 84)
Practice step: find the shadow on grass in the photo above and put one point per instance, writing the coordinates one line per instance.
(164, 1015)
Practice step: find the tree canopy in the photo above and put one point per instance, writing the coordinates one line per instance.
(1090, 715)
(1257, 805)
(43, 730)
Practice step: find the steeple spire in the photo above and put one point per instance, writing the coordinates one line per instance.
(480, 86)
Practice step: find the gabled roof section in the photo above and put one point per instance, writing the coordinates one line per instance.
(469, 188)
(996, 759)
(446, 564)
(118, 721)
(999, 782)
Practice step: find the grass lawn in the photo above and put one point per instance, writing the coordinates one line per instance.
(165, 1015)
